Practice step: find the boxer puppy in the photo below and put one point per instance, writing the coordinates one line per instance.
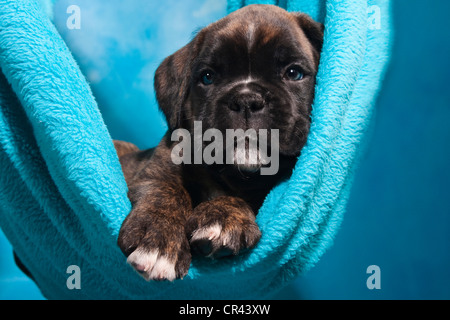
(253, 69)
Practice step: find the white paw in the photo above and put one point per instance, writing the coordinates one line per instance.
(210, 233)
(211, 239)
(151, 265)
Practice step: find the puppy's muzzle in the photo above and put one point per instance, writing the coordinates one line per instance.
(247, 100)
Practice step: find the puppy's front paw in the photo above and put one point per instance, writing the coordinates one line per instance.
(152, 265)
(156, 248)
(221, 227)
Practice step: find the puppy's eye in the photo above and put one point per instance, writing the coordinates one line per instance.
(294, 74)
(207, 77)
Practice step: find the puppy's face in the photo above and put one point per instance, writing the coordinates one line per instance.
(254, 69)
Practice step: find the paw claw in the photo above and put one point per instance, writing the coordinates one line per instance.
(215, 242)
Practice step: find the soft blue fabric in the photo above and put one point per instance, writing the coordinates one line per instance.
(63, 196)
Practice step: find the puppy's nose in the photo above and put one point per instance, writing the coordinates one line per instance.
(247, 101)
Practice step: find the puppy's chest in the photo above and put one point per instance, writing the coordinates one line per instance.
(201, 186)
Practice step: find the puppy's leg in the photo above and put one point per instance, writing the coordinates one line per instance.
(123, 147)
(153, 236)
(222, 226)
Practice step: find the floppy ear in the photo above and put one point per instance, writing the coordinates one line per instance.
(313, 31)
(172, 82)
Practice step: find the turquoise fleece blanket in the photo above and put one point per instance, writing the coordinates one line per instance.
(63, 196)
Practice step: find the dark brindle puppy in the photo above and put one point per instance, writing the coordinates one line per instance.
(255, 69)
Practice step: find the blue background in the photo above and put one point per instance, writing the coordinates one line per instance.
(398, 215)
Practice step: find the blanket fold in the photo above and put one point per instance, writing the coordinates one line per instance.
(63, 196)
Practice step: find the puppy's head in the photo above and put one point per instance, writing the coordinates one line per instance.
(255, 68)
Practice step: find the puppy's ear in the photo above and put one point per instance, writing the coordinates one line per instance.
(172, 82)
(313, 31)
